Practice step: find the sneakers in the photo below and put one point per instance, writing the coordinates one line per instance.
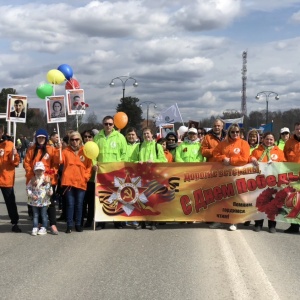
(232, 227)
(68, 230)
(16, 228)
(53, 230)
(272, 230)
(216, 225)
(257, 228)
(78, 228)
(34, 231)
(42, 231)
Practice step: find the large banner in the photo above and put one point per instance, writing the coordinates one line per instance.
(197, 192)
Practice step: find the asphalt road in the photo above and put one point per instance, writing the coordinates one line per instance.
(174, 262)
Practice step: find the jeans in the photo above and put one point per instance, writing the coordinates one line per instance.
(74, 197)
(10, 201)
(40, 211)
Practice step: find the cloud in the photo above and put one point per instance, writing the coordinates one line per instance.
(187, 52)
(207, 15)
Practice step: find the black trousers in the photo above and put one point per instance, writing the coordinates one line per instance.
(10, 201)
(271, 224)
(89, 201)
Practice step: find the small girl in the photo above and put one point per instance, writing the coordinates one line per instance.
(39, 190)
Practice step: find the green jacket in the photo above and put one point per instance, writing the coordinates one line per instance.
(111, 148)
(147, 151)
(280, 144)
(129, 152)
(189, 152)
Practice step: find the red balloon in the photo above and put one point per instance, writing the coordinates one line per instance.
(72, 84)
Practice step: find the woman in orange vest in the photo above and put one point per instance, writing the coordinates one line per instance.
(49, 156)
(233, 151)
(75, 175)
(266, 152)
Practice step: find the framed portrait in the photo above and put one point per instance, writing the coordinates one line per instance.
(16, 109)
(194, 124)
(56, 109)
(75, 102)
(165, 129)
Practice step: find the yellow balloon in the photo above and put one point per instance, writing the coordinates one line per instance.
(55, 76)
(91, 150)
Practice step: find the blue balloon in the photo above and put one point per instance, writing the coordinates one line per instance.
(66, 70)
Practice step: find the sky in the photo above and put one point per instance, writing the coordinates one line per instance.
(187, 52)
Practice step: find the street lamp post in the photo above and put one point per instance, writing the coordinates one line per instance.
(148, 103)
(267, 94)
(123, 79)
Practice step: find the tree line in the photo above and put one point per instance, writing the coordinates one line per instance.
(36, 118)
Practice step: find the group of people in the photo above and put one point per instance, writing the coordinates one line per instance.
(60, 167)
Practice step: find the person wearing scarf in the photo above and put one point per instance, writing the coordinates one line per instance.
(75, 175)
(269, 153)
(49, 156)
(172, 143)
(233, 151)
(253, 139)
(190, 149)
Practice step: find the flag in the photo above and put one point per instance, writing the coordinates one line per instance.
(266, 127)
(239, 121)
(170, 115)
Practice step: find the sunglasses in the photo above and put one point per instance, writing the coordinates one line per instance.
(88, 136)
(72, 140)
(234, 132)
(108, 124)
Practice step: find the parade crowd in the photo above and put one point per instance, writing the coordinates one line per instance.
(58, 173)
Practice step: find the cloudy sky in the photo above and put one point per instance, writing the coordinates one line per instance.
(187, 52)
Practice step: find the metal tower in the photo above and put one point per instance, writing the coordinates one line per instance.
(244, 84)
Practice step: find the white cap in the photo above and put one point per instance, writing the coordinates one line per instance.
(193, 130)
(39, 166)
(284, 129)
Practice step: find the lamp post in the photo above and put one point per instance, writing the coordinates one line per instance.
(267, 94)
(148, 103)
(123, 79)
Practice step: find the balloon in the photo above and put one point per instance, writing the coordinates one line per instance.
(72, 84)
(91, 150)
(182, 130)
(55, 77)
(66, 70)
(120, 120)
(44, 90)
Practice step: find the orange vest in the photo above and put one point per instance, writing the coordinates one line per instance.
(209, 143)
(7, 164)
(50, 161)
(276, 154)
(292, 150)
(237, 150)
(77, 168)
